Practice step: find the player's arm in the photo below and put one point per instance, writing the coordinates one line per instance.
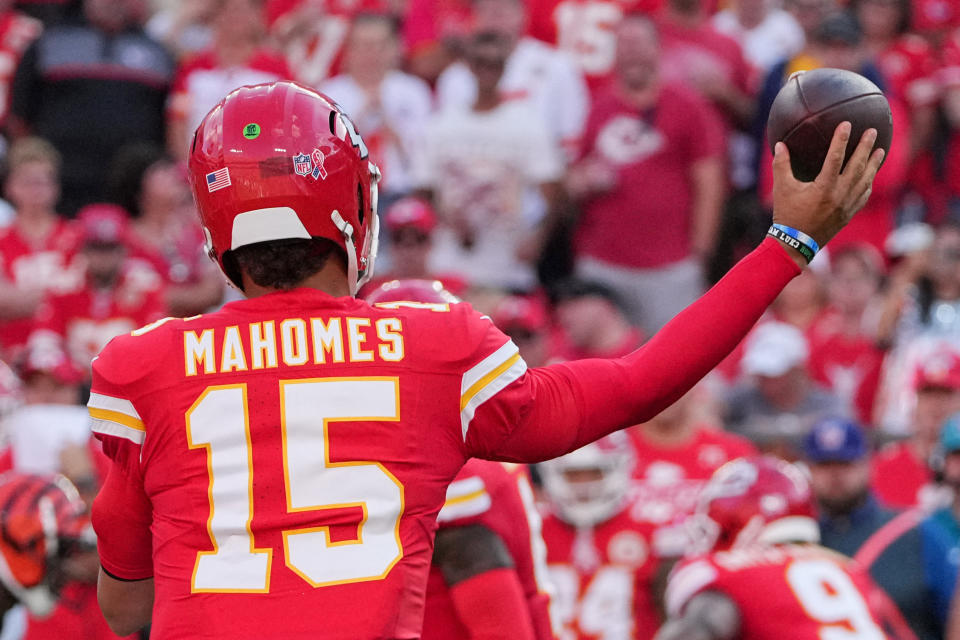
(709, 615)
(126, 604)
(558, 409)
(483, 584)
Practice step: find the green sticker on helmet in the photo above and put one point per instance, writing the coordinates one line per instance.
(251, 131)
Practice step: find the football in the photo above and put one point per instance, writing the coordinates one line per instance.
(810, 106)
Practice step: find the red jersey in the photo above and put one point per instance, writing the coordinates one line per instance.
(585, 29)
(849, 365)
(603, 578)
(289, 454)
(910, 66)
(84, 321)
(899, 479)
(668, 480)
(808, 593)
(497, 496)
(47, 267)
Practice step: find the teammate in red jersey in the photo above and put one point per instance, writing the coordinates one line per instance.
(290, 452)
(599, 555)
(765, 577)
(43, 533)
(488, 575)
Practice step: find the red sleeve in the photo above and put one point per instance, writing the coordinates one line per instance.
(553, 410)
(486, 600)
(121, 517)
(121, 511)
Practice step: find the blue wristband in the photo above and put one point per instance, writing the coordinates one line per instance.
(799, 235)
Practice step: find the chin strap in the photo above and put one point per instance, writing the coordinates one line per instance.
(352, 269)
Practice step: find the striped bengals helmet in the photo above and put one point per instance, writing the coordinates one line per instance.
(42, 521)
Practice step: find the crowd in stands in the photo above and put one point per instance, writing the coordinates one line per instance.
(580, 170)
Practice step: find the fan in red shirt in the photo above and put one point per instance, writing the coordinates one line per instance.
(677, 452)
(119, 294)
(17, 31)
(765, 578)
(843, 353)
(599, 555)
(290, 452)
(901, 474)
(36, 250)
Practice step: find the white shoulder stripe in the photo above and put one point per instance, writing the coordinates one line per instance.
(490, 389)
(117, 430)
(462, 488)
(476, 373)
(685, 583)
(109, 403)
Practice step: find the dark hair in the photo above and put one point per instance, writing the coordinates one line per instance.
(376, 17)
(573, 288)
(128, 168)
(280, 264)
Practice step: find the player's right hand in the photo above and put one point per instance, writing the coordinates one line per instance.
(822, 207)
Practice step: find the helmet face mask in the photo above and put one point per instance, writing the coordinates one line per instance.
(590, 485)
(302, 172)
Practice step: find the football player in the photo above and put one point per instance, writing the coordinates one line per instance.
(279, 464)
(488, 578)
(764, 576)
(599, 554)
(43, 535)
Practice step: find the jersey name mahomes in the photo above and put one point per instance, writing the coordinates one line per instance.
(294, 342)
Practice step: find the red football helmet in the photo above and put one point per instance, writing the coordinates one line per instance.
(279, 160)
(42, 522)
(756, 500)
(424, 291)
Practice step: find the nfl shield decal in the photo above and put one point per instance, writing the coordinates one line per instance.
(302, 165)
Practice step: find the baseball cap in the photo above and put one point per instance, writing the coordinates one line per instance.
(103, 224)
(410, 212)
(773, 349)
(835, 439)
(938, 371)
(950, 434)
(519, 312)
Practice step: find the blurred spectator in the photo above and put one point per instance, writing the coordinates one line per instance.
(535, 72)
(907, 62)
(311, 33)
(524, 320)
(909, 560)
(593, 321)
(697, 54)
(585, 30)
(924, 297)
(803, 300)
(844, 355)
(90, 86)
(37, 249)
(237, 57)
(390, 107)
(410, 223)
(120, 294)
(650, 183)
(598, 554)
(779, 402)
(164, 232)
(766, 32)
(809, 14)
(483, 168)
(49, 12)
(184, 27)
(677, 452)
(945, 464)
(17, 31)
(435, 33)
(901, 473)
